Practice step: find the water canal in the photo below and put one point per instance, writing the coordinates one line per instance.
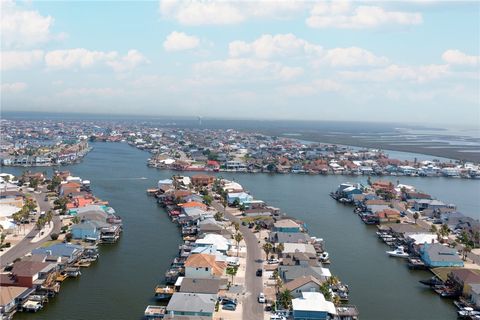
(120, 285)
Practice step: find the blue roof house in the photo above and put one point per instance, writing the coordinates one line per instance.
(86, 230)
(437, 255)
(240, 196)
(67, 250)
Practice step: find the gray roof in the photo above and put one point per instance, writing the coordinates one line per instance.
(440, 253)
(290, 273)
(290, 237)
(194, 285)
(192, 302)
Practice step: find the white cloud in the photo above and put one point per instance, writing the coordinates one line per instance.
(248, 69)
(456, 57)
(415, 74)
(349, 57)
(217, 12)
(74, 58)
(288, 45)
(23, 28)
(11, 60)
(128, 62)
(268, 46)
(178, 41)
(14, 87)
(83, 58)
(341, 14)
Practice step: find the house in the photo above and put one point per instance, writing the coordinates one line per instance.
(10, 298)
(475, 295)
(69, 188)
(421, 204)
(388, 215)
(383, 185)
(437, 255)
(195, 285)
(27, 274)
(88, 230)
(220, 243)
(203, 266)
(165, 184)
(291, 237)
(210, 225)
(303, 284)
(286, 225)
(213, 165)
(69, 251)
(239, 197)
(305, 248)
(202, 180)
(463, 279)
(193, 204)
(289, 273)
(312, 306)
(351, 191)
(192, 304)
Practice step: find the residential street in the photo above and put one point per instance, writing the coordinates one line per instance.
(25, 246)
(252, 310)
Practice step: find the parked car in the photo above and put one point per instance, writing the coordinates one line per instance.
(277, 317)
(272, 261)
(261, 298)
(229, 306)
(225, 301)
(259, 272)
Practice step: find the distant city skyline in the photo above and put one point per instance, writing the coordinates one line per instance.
(409, 61)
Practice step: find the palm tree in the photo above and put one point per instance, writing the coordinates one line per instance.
(433, 229)
(333, 281)
(232, 272)
(280, 248)
(466, 250)
(267, 247)
(416, 215)
(336, 300)
(236, 225)
(278, 281)
(444, 230)
(238, 238)
(325, 290)
(286, 298)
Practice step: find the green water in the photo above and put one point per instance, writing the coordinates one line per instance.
(121, 283)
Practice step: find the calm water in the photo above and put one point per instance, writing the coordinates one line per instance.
(120, 285)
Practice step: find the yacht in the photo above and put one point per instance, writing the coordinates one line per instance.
(399, 252)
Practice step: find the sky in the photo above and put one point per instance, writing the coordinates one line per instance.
(412, 61)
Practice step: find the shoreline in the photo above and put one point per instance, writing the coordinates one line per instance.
(448, 152)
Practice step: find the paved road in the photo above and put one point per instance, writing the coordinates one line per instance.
(25, 246)
(252, 310)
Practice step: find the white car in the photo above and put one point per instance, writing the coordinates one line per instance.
(261, 298)
(277, 317)
(272, 261)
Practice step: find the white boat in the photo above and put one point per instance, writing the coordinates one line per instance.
(324, 256)
(399, 252)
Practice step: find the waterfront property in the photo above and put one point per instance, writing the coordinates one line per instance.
(312, 306)
(192, 304)
(437, 255)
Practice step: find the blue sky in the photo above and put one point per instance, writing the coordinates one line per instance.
(409, 61)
